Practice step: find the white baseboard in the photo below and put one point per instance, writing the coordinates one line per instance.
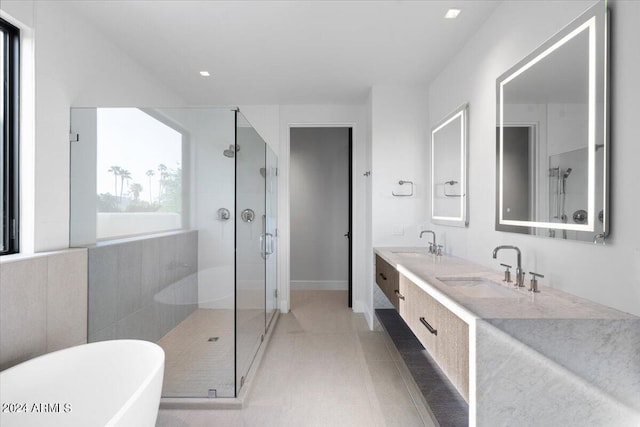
(320, 285)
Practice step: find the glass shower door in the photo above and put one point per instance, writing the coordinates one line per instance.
(250, 246)
(271, 191)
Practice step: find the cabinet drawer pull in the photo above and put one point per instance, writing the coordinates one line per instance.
(399, 294)
(428, 326)
(383, 277)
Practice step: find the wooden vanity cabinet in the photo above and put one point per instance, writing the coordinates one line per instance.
(387, 277)
(443, 334)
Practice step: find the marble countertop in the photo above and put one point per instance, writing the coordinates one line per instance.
(425, 270)
(586, 345)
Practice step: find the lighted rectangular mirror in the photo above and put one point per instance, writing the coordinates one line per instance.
(449, 169)
(552, 142)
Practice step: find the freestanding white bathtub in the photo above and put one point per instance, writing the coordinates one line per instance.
(108, 383)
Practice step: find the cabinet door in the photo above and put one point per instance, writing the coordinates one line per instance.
(452, 349)
(387, 279)
(403, 301)
(420, 308)
(443, 334)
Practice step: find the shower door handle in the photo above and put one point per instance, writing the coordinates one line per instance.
(269, 236)
(263, 238)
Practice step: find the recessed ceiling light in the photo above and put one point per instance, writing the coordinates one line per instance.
(452, 13)
(204, 73)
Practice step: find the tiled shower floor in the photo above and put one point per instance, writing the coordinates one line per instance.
(194, 365)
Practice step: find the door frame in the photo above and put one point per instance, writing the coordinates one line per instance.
(286, 262)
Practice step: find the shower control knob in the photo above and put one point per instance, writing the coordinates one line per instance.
(248, 215)
(224, 214)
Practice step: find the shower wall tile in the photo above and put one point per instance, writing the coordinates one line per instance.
(187, 247)
(142, 288)
(67, 299)
(138, 325)
(23, 314)
(164, 317)
(150, 273)
(43, 304)
(105, 334)
(129, 273)
(168, 261)
(103, 268)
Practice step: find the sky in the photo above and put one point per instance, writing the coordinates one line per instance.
(137, 142)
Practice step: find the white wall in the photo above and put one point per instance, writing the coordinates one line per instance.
(399, 152)
(75, 66)
(265, 120)
(319, 208)
(606, 274)
(399, 148)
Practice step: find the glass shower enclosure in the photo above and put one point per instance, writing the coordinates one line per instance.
(178, 210)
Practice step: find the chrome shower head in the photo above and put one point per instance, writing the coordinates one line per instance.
(567, 173)
(231, 151)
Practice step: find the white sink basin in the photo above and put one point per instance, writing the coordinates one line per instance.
(410, 254)
(479, 287)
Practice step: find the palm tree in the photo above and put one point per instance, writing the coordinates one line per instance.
(136, 189)
(150, 173)
(125, 175)
(163, 169)
(115, 170)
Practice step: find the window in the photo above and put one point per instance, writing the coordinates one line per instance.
(127, 169)
(139, 174)
(9, 106)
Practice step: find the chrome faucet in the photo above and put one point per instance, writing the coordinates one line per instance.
(519, 272)
(432, 244)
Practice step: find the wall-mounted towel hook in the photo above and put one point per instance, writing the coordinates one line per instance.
(402, 182)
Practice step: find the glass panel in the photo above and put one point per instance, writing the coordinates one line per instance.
(250, 245)
(200, 350)
(179, 288)
(174, 288)
(271, 191)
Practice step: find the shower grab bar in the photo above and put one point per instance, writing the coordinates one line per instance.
(402, 182)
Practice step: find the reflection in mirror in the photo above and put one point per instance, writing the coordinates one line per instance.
(552, 136)
(449, 169)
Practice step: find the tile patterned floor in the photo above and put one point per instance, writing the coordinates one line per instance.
(323, 367)
(193, 364)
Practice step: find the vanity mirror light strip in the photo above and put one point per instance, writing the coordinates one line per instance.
(462, 115)
(590, 26)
